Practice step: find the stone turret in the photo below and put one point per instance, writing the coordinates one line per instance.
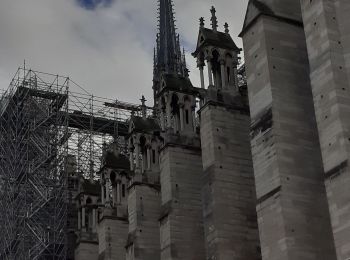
(88, 200)
(291, 196)
(228, 178)
(144, 190)
(115, 175)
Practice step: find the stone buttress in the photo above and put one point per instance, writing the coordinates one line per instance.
(292, 208)
(228, 188)
(327, 30)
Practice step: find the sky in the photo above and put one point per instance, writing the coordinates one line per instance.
(106, 46)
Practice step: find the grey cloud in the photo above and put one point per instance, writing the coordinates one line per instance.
(108, 51)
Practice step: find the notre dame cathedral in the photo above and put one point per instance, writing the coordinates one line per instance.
(232, 171)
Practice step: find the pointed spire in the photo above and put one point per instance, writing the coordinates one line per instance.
(214, 20)
(168, 53)
(226, 28)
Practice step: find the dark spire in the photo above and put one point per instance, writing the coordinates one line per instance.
(227, 31)
(214, 20)
(201, 22)
(168, 53)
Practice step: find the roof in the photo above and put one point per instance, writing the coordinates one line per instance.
(144, 125)
(90, 188)
(177, 83)
(287, 9)
(217, 39)
(113, 161)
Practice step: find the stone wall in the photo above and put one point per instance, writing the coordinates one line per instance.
(86, 251)
(144, 210)
(181, 226)
(228, 192)
(292, 203)
(112, 236)
(327, 30)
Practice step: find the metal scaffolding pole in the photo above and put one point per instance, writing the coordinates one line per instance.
(50, 136)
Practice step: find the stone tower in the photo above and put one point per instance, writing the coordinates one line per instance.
(292, 206)
(144, 188)
(113, 214)
(181, 226)
(87, 205)
(228, 190)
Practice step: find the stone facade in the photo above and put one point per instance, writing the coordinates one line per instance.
(326, 24)
(229, 170)
(229, 190)
(181, 226)
(144, 210)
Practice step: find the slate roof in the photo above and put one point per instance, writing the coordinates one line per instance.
(113, 161)
(177, 82)
(271, 8)
(255, 8)
(90, 188)
(218, 39)
(145, 125)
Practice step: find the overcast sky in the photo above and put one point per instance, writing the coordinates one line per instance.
(106, 46)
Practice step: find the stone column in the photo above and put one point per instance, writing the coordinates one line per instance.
(168, 112)
(137, 155)
(118, 193)
(107, 192)
(83, 219)
(131, 158)
(94, 220)
(79, 219)
(194, 118)
(210, 72)
(181, 117)
(235, 78)
(223, 74)
(102, 194)
(149, 159)
(114, 198)
(201, 71)
(144, 162)
(162, 120)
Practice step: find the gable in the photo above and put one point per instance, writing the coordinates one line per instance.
(287, 9)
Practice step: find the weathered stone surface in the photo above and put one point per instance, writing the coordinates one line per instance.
(292, 203)
(228, 192)
(181, 225)
(144, 210)
(112, 236)
(87, 251)
(328, 40)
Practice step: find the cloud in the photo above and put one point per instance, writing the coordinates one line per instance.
(105, 46)
(93, 4)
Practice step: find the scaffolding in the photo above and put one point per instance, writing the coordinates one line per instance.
(43, 124)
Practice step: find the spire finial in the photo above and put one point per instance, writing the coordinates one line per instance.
(226, 28)
(143, 107)
(214, 20)
(201, 22)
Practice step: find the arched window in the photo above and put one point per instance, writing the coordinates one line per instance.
(113, 176)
